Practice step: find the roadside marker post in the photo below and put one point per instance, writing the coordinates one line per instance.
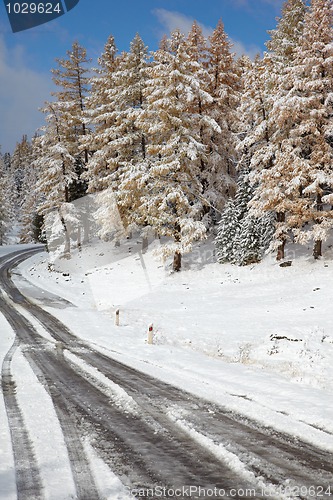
(116, 321)
(150, 334)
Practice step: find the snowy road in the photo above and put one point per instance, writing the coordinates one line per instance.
(150, 434)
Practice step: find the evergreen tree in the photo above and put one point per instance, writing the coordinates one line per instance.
(130, 145)
(247, 243)
(171, 200)
(30, 221)
(226, 234)
(72, 79)
(101, 114)
(20, 164)
(118, 134)
(62, 160)
(243, 238)
(7, 161)
(224, 87)
(300, 174)
(312, 105)
(286, 36)
(256, 128)
(5, 205)
(266, 85)
(201, 102)
(56, 168)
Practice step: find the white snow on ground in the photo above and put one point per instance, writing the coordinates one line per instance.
(106, 481)
(7, 473)
(117, 395)
(257, 340)
(45, 431)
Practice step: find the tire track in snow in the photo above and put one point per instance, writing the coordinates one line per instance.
(28, 480)
(82, 475)
(29, 485)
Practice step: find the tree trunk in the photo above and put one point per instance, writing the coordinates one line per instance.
(281, 217)
(317, 249)
(177, 258)
(177, 261)
(280, 251)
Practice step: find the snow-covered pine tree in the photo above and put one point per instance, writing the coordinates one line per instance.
(71, 77)
(226, 233)
(214, 100)
(201, 102)
(202, 107)
(101, 114)
(301, 175)
(30, 221)
(133, 150)
(6, 211)
(267, 84)
(255, 107)
(311, 104)
(118, 100)
(255, 233)
(170, 199)
(286, 36)
(7, 159)
(244, 192)
(256, 129)
(275, 175)
(243, 238)
(20, 163)
(247, 242)
(56, 168)
(224, 87)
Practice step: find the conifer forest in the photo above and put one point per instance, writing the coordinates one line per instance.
(187, 142)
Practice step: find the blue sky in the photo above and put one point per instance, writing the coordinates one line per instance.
(27, 57)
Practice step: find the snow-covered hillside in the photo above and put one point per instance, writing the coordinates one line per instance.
(256, 339)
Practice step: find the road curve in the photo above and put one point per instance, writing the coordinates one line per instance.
(146, 447)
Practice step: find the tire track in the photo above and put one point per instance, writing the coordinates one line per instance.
(84, 480)
(82, 476)
(139, 454)
(28, 480)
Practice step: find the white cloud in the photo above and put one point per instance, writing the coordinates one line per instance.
(23, 92)
(171, 20)
(240, 49)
